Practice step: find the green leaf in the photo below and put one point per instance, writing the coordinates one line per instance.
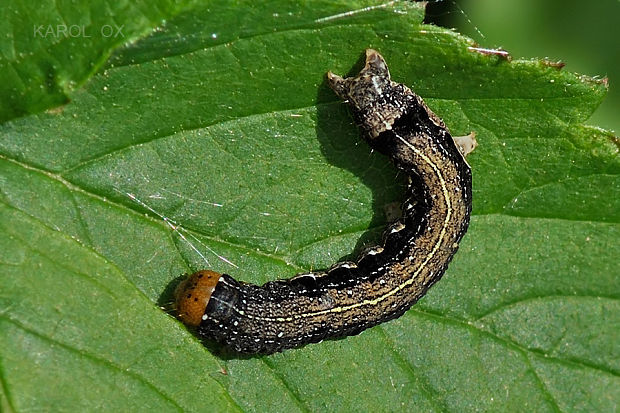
(222, 122)
(51, 47)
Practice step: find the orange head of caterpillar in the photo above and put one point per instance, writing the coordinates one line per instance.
(192, 296)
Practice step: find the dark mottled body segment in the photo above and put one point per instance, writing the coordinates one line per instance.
(385, 281)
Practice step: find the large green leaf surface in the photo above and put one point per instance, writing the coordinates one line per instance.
(222, 122)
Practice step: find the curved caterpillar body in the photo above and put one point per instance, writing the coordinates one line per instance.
(386, 280)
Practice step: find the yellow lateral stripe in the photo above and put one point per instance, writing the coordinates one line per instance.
(400, 287)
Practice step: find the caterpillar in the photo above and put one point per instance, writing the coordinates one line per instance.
(384, 281)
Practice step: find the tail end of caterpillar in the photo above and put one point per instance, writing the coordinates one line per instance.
(376, 101)
(192, 296)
